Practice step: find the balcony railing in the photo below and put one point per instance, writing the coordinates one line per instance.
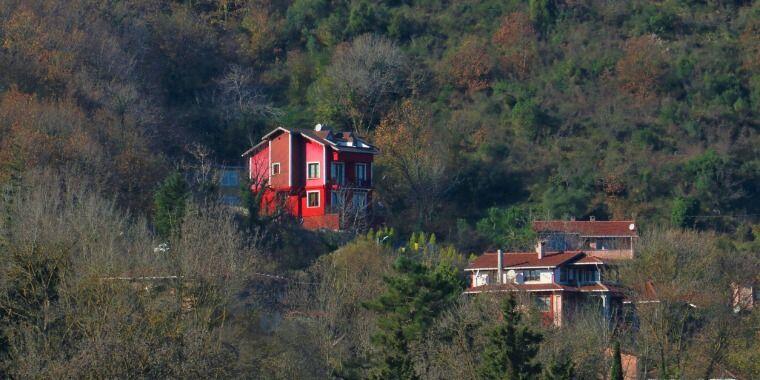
(357, 184)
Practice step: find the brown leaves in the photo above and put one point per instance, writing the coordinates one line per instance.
(470, 65)
(515, 40)
(47, 50)
(57, 134)
(641, 68)
(749, 40)
(262, 24)
(414, 160)
(404, 130)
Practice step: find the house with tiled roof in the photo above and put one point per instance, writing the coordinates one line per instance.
(560, 283)
(316, 175)
(611, 239)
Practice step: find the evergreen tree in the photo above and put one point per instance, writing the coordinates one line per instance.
(542, 12)
(616, 372)
(560, 369)
(169, 202)
(415, 296)
(511, 348)
(683, 211)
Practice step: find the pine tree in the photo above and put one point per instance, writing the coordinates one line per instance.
(616, 372)
(511, 348)
(560, 369)
(415, 296)
(169, 202)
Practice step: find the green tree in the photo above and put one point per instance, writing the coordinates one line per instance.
(616, 372)
(542, 13)
(415, 296)
(507, 228)
(169, 202)
(511, 348)
(559, 369)
(684, 209)
(565, 201)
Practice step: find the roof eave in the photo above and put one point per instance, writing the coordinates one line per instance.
(254, 148)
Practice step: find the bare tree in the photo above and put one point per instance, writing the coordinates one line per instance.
(238, 96)
(60, 315)
(681, 288)
(367, 76)
(352, 206)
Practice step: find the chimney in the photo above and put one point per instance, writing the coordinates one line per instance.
(500, 266)
(540, 248)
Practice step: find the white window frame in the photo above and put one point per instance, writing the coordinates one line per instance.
(529, 278)
(279, 168)
(319, 200)
(356, 171)
(307, 169)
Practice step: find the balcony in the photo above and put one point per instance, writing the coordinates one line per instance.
(336, 183)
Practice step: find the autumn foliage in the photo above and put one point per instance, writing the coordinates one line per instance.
(515, 41)
(642, 66)
(470, 65)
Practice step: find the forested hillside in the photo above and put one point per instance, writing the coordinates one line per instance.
(576, 108)
(488, 114)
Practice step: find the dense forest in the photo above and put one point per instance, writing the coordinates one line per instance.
(120, 261)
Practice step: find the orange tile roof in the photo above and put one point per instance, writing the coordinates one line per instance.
(588, 259)
(589, 228)
(548, 287)
(523, 260)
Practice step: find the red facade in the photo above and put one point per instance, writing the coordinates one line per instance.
(315, 175)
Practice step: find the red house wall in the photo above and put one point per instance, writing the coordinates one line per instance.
(258, 167)
(351, 159)
(281, 153)
(315, 152)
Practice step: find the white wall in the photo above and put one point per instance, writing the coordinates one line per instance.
(547, 276)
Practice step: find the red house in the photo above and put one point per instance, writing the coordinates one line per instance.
(316, 175)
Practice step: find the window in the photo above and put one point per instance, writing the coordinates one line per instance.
(229, 178)
(543, 303)
(532, 275)
(584, 275)
(336, 200)
(275, 168)
(312, 199)
(312, 170)
(361, 173)
(281, 198)
(338, 172)
(360, 200)
(481, 279)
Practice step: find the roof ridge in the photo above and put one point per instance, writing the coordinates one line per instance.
(583, 221)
